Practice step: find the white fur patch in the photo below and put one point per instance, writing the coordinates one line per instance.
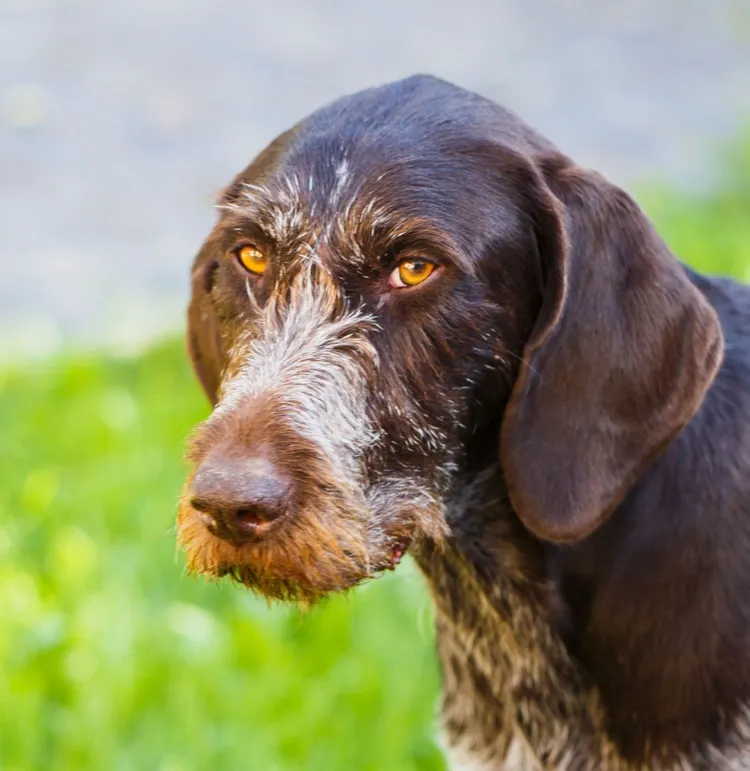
(287, 211)
(310, 357)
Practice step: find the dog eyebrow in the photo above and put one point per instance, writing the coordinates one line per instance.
(415, 233)
(283, 212)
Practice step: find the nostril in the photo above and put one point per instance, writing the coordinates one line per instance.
(253, 519)
(199, 504)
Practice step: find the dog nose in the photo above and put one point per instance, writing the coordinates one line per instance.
(239, 499)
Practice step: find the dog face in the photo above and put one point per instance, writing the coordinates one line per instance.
(360, 315)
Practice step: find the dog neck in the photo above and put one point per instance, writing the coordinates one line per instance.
(509, 681)
(511, 677)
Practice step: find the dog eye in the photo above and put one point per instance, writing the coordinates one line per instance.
(411, 273)
(252, 259)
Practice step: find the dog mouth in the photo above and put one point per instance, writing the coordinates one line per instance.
(241, 567)
(397, 552)
(298, 557)
(389, 563)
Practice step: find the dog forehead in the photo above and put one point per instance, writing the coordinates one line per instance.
(324, 201)
(339, 201)
(422, 107)
(417, 150)
(414, 121)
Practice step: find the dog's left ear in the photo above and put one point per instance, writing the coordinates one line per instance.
(621, 355)
(204, 341)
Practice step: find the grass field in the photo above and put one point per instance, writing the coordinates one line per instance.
(112, 658)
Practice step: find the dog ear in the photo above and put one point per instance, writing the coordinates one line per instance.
(204, 342)
(620, 357)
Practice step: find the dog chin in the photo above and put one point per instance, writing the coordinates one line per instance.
(283, 589)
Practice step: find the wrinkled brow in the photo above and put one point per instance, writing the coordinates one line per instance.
(288, 213)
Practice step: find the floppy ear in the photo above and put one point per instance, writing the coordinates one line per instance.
(203, 331)
(621, 355)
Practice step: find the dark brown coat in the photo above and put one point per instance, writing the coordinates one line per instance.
(556, 423)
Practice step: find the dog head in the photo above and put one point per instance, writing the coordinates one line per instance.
(400, 279)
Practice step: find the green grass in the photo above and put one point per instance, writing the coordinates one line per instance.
(112, 658)
(710, 232)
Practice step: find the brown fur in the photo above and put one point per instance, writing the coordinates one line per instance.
(551, 424)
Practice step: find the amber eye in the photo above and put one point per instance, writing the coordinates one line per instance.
(251, 258)
(411, 273)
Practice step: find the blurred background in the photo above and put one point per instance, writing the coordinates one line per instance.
(119, 122)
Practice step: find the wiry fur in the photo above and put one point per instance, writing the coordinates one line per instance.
(306, 359)
(550, 423)
(530, 706)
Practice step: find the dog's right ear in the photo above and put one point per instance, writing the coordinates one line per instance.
(204, 341)
(623, 351)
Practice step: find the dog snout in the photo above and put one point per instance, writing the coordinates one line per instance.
(240, 499)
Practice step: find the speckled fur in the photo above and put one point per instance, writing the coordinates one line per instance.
(549, 422)
(513, 697)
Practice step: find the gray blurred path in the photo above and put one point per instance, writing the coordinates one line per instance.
(118, 121)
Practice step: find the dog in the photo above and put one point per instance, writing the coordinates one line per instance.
(425, 329)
